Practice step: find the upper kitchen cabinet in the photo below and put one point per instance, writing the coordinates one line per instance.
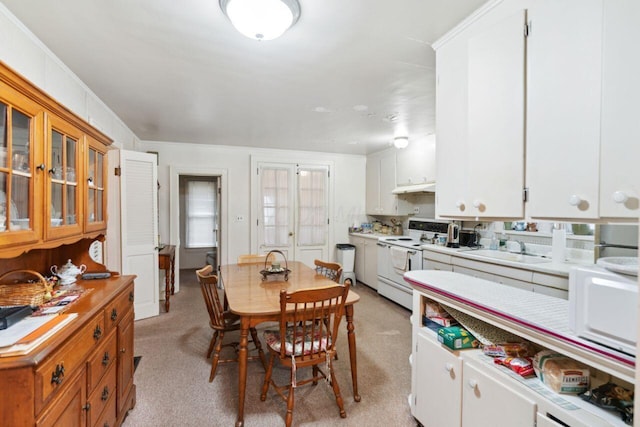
(52, 171)
(381, 180)
(480, 104)
(416, 164)
(564, 107)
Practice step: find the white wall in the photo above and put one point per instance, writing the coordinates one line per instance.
(22, 51)
(348, 201)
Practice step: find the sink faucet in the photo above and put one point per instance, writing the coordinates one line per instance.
(477, 235)
(523, 248)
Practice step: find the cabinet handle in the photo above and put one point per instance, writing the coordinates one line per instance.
(620, 197)
(105, 359)
(448, 367)
(460, 205)
(97, 333)
(52, 171)
(123, 350)
(90, 180)
(41, 167)
(575, 200)
(86, 407)
(473, 384)
(58, 374)
(105, 394)
(131, 296)
(114, 314)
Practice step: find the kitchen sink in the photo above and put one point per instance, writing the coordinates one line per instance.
(507, 256)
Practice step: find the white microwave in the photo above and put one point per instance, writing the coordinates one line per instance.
(603, 307)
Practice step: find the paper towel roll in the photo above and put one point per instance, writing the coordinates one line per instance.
(558, 245)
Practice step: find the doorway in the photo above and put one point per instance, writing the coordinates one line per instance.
(292, 210)
(199, 220)
(175, 172)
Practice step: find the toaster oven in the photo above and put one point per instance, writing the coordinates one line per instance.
(603, 307)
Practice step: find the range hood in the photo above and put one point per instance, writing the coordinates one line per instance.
(415, 188)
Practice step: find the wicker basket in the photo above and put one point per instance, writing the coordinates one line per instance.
(25, 293)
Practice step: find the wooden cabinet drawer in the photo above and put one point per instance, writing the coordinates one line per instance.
(51, 376)
(118, 308)
(101, 398)
(109, 416)
(66, 409)
(101, 360)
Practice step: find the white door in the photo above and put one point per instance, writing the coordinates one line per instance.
(293, 210)
(139, 207)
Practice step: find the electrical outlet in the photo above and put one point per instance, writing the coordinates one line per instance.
(239, 218)
(416, 209)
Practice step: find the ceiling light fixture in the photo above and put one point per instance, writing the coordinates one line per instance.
(400, 141)
(261, 19)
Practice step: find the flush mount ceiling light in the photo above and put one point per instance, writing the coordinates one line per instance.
(400, 141)
(261, 19)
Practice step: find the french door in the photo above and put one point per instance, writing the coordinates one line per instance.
(292, 210)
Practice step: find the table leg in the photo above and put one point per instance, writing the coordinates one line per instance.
(352, 351)
(173, 276)
(242, 368)
(167, 290)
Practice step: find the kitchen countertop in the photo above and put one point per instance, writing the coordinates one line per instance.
(551, 267)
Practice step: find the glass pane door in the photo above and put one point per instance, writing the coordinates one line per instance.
(15, 170)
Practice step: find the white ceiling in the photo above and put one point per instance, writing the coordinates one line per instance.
(178, 71)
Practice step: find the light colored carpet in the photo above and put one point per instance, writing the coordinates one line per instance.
(173, 386)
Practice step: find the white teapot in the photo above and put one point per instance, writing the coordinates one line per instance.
(68, 272)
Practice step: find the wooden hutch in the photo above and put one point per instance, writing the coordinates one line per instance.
(53, 208)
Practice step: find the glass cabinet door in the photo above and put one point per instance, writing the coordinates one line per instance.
(17, 174)
(95, 214)
(64, 192)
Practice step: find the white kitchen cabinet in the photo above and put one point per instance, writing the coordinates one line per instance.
(416, 164)
(480, 118)
(486, 397)
(581, 89)
(438, 373)
(381, 180)
(474, 395)
(620, 127)
(564, 92)
(366, 260)
(465, 388)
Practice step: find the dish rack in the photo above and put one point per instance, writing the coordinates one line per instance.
(22, 291)
(270, 271)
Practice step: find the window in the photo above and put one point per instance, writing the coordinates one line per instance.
(201, 220)
(312, 207)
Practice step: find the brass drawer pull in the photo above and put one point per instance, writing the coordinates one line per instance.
(58, 375)
(105, 394)
(97, 332)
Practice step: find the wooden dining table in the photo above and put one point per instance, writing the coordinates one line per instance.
(256, 299)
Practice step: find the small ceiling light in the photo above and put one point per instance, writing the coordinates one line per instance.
(261, 19)
(401, 141)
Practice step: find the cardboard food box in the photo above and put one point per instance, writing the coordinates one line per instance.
(435, 323)
(457, 338)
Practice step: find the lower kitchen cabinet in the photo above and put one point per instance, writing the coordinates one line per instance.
(366, 261)
(451, 392)
(487, 399)
(465, 388)
(438, 388)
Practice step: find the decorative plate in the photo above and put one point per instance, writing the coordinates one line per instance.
(620, 264)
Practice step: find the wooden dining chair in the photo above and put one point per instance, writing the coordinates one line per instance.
(255, 258)
(331, 270)
(309, 321)
(222, 321)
